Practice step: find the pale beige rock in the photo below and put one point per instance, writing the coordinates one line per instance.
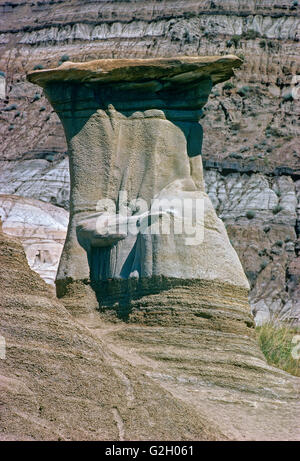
(172, 70)
(31, 36)
(41, 228)
(139, 139)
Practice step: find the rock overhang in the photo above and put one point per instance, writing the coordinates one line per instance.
(170, 84)
(171, 72)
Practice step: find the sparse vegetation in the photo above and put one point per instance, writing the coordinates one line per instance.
(228, 86)
(235, 40)
(2, 74)
(236, 126)
(277, 345)
(250, 214)
(235, 155)
(251, 34)
(36, 97)
(11, 107)
(277, 209)
(263, 265)
(38, 67)
(244, 91)
(262, 44)
(64, 58)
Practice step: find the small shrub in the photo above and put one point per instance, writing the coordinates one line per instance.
(267, 229)
(263, 265)
(276, 344)
(244, 91)
(279, 243)
(42, 109)
(38, 67)
(235, 40)
(245, 149)
(36, 97)
(251, 35)
(235, 155)
(250, 214)
(262, 44)
(11, 107)
(277, 209)
(11, 127)
(2, 74)
(235, 126)
(64, 58)
(228, 86)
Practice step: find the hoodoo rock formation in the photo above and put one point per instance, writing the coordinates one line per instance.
(152, 337)
(251, 147)
(132, 127)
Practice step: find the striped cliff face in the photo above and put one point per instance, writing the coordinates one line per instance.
(251, 142)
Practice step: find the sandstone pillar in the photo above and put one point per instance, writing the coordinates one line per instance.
(132, 126)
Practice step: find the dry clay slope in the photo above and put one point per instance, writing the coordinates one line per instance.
(60, 382)
(196, 374)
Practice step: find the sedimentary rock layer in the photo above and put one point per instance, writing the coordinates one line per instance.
(41, 227)
(89, 379)
(60, 382)
(250, 126)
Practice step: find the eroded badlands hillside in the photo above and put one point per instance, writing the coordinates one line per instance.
(60, 382)
(251, 124)
(188, 376)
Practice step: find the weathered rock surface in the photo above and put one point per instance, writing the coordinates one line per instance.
(41, 179)
(41, 228)
(260, 217)
(60, 382)
(250, 127)
(128, 134)
(196, 376)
